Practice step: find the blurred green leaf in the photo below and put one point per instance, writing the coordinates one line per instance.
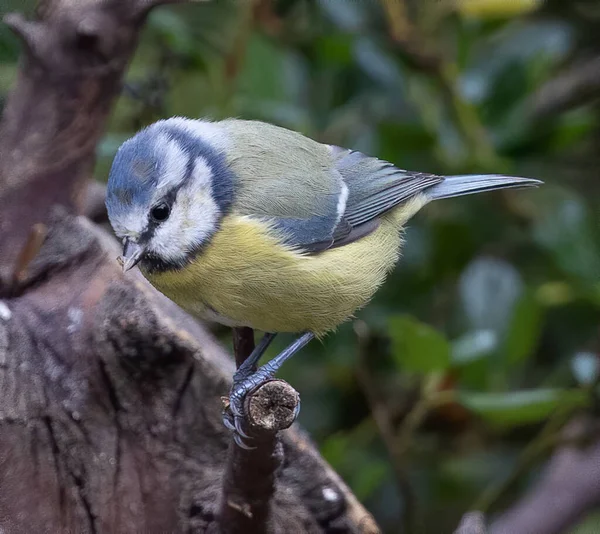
(524, 330)
(416, 346)
(9, 45)
(377, 62)
(572, 128)
(171, 27)
(567, 229)
(363, 471)
(589, 525)
(347, 15)
(473, 346)
(264, 65)
(527, 42)
(496, 8)
(521, 407)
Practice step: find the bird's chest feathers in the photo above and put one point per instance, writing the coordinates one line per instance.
(245, 276)
(237, 269)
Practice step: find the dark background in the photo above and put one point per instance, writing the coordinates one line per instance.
(484, 341)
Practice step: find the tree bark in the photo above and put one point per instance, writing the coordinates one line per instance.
(110, 396)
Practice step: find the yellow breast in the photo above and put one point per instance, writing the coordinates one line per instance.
(245, 276)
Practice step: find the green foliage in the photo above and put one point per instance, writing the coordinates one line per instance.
(416, 346)
(521, 407)
(525, 329)
(350, 455)
(506, 286)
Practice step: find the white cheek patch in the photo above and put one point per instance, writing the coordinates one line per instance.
(194, 218)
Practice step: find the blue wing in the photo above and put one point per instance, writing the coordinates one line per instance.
(365, 189)
(376, 186)
(369, 188)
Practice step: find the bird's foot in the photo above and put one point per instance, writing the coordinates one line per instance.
(234, 418)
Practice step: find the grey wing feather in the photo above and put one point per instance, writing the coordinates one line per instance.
(309, 234)
(376, 186)
(315, 230)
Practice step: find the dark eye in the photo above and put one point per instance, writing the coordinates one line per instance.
(160, 213)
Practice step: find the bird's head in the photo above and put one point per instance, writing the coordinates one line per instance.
(168, 189)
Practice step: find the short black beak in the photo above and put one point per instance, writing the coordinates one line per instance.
(132, 254)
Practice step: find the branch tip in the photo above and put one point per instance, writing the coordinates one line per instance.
(30, 32)
(273, 406)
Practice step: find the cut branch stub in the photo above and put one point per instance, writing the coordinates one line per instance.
(249, 483)
(272, 407)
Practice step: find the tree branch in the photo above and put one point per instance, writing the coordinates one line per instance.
(94, 207)
(243, 344)
(250, 475)
(575, 87)
(566, 492)
(75, 57)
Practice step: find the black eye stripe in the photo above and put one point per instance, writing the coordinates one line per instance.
(194, 148)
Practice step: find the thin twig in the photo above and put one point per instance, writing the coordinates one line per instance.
(548, 438)
(243, 344)
(250, 475)
(397, 441)
(383, 420)
(568, 489)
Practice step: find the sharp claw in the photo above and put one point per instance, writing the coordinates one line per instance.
(234, 406)
(228, 424)
(240, 443)
(238, 427)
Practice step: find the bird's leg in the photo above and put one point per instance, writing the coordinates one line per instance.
(250, 381)
(245, 370)
(247, 367)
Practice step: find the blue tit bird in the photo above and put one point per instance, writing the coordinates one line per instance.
(250, 224)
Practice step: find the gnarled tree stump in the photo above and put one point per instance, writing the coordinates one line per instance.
(110, 396)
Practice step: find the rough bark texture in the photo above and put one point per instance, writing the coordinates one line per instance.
(250, 480)
(110, 396)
